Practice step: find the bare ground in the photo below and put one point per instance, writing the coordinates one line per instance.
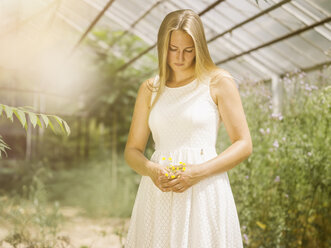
(78, 231)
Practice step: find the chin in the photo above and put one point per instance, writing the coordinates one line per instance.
(179, 68)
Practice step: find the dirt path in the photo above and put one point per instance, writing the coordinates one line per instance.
(78, 231)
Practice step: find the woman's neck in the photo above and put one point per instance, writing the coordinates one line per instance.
(177, 77)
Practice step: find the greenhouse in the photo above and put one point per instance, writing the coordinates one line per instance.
(76, 164)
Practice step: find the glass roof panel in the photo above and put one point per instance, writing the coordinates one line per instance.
(73, 17)
(315, 54)
(318, 40)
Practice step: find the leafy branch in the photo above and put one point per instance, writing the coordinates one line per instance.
(35, 119)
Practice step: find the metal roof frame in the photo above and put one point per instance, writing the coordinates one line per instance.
(308, 12)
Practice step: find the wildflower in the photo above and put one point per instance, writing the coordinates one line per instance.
(247, 177)
(286, 195)
(173, 168)
(307, 87)
(284, 138)
(277, 179)
(245, 237)
(261, 130)
(261, 225)
(309, 154)
(275, 144)
(277, 115)
(268, 130)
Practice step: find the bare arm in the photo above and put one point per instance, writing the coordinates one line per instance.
(139, 133)
(233, 116)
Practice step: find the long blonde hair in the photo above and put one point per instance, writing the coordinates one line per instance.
(189, 22)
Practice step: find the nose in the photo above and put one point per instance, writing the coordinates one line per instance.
(180, 56)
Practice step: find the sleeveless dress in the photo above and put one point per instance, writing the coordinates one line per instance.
(184, 124)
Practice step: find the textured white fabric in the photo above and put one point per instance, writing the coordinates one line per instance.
(184, 125)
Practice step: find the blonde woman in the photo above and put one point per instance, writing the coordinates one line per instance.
(184, 197)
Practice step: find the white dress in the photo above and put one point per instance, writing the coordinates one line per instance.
(184, 125)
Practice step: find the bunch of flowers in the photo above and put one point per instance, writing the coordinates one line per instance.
(173, 169)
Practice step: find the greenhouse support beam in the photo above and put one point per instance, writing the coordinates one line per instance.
(276, 89)
(301, 30)
(310, 68)
(249, 20)
(136, 22)
(213, 5)
(93, 24)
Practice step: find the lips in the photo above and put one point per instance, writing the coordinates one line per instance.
(179, 64)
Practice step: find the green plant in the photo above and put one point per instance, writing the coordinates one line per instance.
(34, 222)
(282, 190)
(21, 113)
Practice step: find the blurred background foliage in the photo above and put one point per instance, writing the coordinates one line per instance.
(282, 191)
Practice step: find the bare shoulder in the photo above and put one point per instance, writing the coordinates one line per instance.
(146, 89)
(222, 84)
(147, 85)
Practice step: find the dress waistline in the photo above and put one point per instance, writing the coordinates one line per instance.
(201, 149)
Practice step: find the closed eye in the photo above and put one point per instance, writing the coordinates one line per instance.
(188, 51)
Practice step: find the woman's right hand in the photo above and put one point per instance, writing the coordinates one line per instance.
(157, 174)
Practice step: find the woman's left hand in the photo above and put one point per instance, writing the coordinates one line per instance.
(183, 179)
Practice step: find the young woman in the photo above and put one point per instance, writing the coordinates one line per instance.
(184, 197)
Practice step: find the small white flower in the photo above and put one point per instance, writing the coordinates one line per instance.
(284, 138)
(275, 144)
(268, 130)
(309, 154)
(261, 130)
(277, 179)
(307, 87)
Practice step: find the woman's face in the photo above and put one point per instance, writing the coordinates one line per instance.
(181, 51)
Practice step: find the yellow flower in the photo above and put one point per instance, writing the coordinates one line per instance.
(170, 159)
(184, 164)
(180, 162)
(166, 174)
(261, 225)
(184, 168)
(172, 176)
(163, 158)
